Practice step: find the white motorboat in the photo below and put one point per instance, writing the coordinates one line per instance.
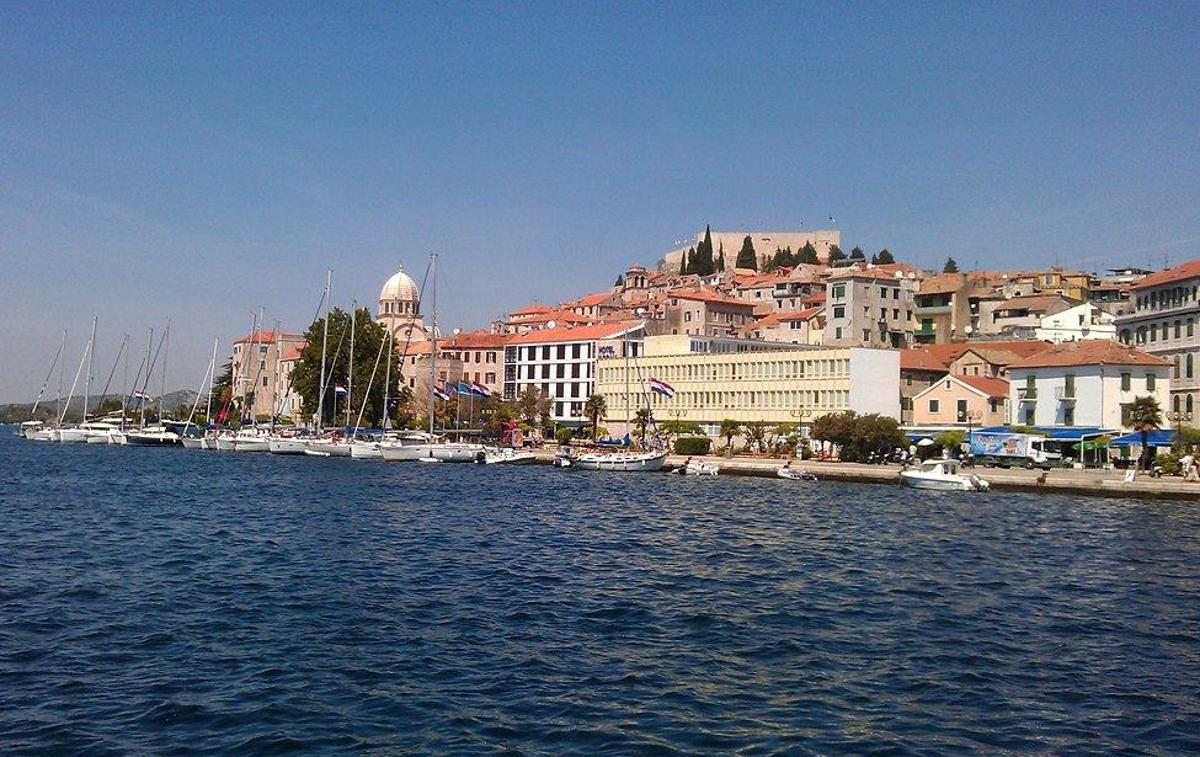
(40, 435)
(628, 462)
(250, 441)
(71, 435)
(363, 450)
(455, 452)
(943, 475)
(795, 474)
(697, 468)
(506, 456)
(224, 442)
(29, 427)
(286, 445)
(331, 447)
(152, 436)
(194, 442)
(100, 432)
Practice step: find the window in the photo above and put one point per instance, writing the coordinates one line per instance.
(1068, 415)
(490, 378)
(1191, 327)
(837, 291)
(1177, 324)
(1187, 366)
(1154, 332)
(837, 333)
(264, 380)
(839, 311)
(961, 411)
(1150, 382)
(934, 406)
(687, 316)
(1069, 385)
(1125, 382)
(1188, 404)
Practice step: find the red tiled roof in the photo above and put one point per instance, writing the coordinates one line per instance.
(1181, 272)
(942, 284)
(941, 355)
(1089, 352)
(857, 272)
(532, 310)
(565, 316)
(576, 333)
(478, 340)
(814, 298)
(992, 387)
(783, 316)
(1033, 302)
(269, 337)
(706, 295)
(920, 360)
(291, 353)
(589, 300)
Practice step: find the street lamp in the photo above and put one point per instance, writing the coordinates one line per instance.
(1179, 417)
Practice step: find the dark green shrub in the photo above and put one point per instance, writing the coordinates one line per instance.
(693, 445)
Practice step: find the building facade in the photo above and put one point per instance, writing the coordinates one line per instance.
(714, 379)
(1089, 383)
(560, 363)
(1166, 307)
(868, 307)
(258, 378)
(400, 309)
(962, 401)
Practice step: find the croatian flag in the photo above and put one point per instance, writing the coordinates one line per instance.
(441, 395)
(464, 387)
(480, 389)
(662, 387)
(339, 390)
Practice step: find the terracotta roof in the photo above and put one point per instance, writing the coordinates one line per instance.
(941, 355)
(1037, 303)
(576, 333)
(566, 316)
(920, 360)
(1089, 352)
(706, 295)
(269, 337)
(1182, 272)
(478, 340)
(588, 300)
(534, 309)
(784, 316)
(814, 298)
(941, 284)
(992, 387)
(856, 272)
(757, 279)
(291, 353)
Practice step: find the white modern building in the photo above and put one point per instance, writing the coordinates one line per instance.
(1083, 321)
(1087, 383)
(560, 363)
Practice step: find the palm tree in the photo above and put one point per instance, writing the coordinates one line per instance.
(595, 408)
(756, 434)
(1144, 414)
(641, 420)
(729, 429)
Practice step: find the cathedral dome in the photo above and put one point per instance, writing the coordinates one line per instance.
(400, 287)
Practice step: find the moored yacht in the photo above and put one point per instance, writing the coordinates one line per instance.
(152, 436)
(943, 475)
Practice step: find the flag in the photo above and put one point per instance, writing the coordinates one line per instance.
(662, 387)
(441, 395)
(339, 390)
(464, 387)
(480, 389)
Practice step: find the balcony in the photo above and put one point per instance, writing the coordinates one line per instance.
(1064, 393)
(1027, 395)
(920, 309)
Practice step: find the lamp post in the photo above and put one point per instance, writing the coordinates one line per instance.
(1179, 417)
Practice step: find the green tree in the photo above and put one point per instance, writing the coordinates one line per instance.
(729, 429)
(369, 336)
(689, 262)
(950, 267)
(835, 253)
(1144, 415)
(950, 440)
(721, 258)
(756, 435)
(595, 409)
(703, 263)
(858, 435)
(533, 406)
(884, 257)
(857, 254)
(747, 258)
(641, 421)
(679, 428)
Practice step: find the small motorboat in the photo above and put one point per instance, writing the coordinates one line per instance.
(429, 460)
(626, 462)
(505, 456)
(943, 475)
(794, 474)
(697, 468)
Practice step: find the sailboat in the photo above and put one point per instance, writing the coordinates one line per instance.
(200, 441)
(333, 445)
(36, 430)
(77, 434)
(158, 435)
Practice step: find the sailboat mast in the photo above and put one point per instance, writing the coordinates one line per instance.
(142, 399)
(212, 380)
(275, 383)
(49, 373)
(125, 386)
(246, 363)
(433, 333)
(75, 382)
(350, 370)
(87, 385)
(387, 378)
(62, 364)
(162, 396)
(324, 348)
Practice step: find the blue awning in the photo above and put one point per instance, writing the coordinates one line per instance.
(1155, 438)
(1057, 433)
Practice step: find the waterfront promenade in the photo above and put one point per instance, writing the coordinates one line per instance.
(1088, 482)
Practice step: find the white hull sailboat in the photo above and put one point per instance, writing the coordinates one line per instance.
(507, 456)
(365, 451)
(285, 445)
(329, 447)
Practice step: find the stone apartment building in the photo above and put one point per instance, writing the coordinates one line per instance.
(704, 312)
(258, 371)
(869, 307)
(1166, 307)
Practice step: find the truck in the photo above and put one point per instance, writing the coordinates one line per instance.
(1005, 449)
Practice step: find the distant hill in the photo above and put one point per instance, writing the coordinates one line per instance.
(18, 412)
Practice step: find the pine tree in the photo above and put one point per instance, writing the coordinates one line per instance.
(885, 257)
(789, 257)
(747, 258)
(721, 258)
(703, 263)
(950, 267)
(835, 253)
(685, 266)
(857, 254)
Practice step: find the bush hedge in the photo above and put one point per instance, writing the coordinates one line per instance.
(693, 445)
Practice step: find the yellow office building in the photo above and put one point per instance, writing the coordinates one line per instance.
(715, 378)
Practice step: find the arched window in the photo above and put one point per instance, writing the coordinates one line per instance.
(1188, 366)
(1188, 404)
(1175, 372)
(1175, 403)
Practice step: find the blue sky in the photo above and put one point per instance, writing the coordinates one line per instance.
(160, 160)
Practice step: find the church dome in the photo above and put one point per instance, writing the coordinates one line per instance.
(400, 287)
